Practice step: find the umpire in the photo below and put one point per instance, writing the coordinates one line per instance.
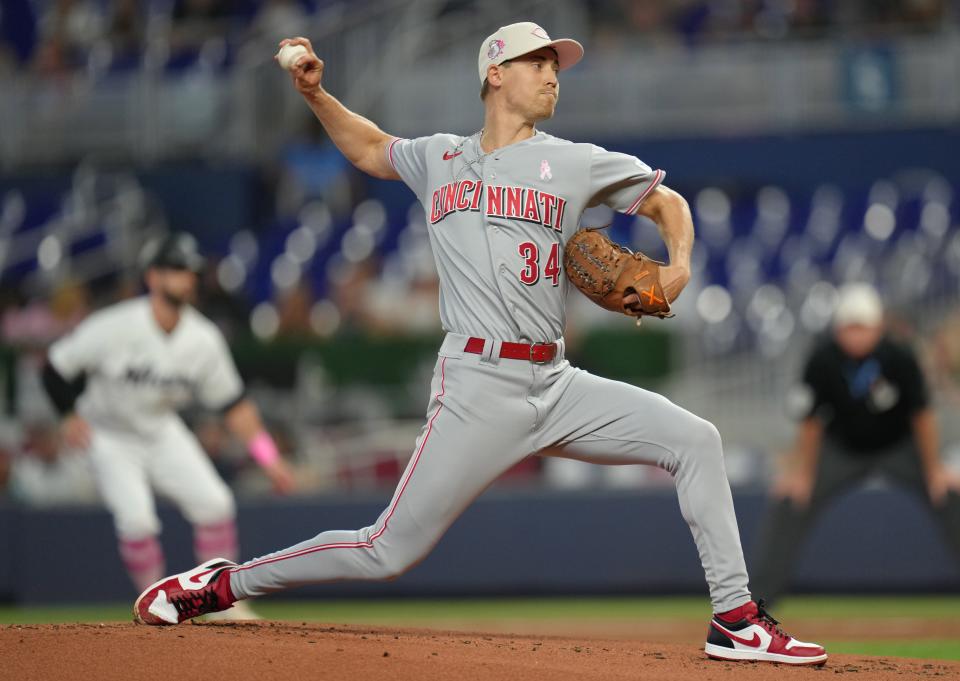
(867, 411)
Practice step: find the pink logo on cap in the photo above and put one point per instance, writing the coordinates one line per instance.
(495, 48)
(540, 33)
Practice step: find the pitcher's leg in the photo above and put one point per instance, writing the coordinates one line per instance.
(470, 438)
(608, 422)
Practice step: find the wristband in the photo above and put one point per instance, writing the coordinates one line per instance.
(263, 449)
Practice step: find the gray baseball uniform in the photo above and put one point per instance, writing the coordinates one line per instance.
(498, 224)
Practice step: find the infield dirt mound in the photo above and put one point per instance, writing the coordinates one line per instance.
(289, 651)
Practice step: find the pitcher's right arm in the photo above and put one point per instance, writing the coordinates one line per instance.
(357, 138)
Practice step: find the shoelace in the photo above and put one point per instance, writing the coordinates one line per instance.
(193, 603)
(768, 622)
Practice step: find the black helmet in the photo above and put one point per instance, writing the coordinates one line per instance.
(177, 251)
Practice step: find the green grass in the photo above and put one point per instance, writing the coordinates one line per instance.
(425, 610)
(50, 614)
(931, 649)
(413, 611)
(499, 609)
(682, 608)
(426, 613)
(861, 607)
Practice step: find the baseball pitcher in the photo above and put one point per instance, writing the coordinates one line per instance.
(503, 207)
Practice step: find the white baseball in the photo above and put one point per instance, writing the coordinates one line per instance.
(289, 54)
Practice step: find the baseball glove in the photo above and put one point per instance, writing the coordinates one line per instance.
(607, 273)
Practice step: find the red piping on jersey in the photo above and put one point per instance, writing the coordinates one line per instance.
(393, 506)
(390, 152)
(657, 176)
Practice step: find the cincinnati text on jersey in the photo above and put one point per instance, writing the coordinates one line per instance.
(516, 203)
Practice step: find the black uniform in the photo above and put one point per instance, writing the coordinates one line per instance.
(866, 407)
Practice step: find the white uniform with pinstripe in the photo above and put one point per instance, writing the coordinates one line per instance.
(498, 223)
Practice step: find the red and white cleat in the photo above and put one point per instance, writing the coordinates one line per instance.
(238, 612)
(754, 635)
(175, 599)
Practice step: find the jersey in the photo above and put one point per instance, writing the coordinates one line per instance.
(866, 405)
(498, 223)
(138, 375)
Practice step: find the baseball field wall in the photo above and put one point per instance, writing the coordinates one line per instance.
(509, 542)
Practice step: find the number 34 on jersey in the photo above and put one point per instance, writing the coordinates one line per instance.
(531, 272)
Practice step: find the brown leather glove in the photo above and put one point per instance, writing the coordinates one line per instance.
(607, 273)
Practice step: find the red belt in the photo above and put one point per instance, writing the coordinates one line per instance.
(538, 353)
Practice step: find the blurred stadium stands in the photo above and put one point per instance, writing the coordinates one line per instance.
(815, 141)
(170, 79)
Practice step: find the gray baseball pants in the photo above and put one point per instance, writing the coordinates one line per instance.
(486, 415)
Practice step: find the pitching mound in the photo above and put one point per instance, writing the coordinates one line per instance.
(288, 651)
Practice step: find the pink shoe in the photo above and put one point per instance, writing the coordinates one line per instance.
(175, 599)
(756, 636)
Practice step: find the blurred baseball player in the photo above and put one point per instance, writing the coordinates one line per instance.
(867, 411)
(118, 380)
(501, 205)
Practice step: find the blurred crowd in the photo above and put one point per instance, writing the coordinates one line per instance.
(57, 37)
(695, 21)
(360, 298)
(63, 36)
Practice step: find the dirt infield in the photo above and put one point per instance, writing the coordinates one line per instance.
(269, 650)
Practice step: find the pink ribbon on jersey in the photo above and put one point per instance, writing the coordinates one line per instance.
(545, 173)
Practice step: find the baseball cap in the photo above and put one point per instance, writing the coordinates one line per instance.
(176, 251)
(510, 42)
(858, 304)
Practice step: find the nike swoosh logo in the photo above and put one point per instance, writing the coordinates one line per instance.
(197, 578)
(447, 155)
(753, 642)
